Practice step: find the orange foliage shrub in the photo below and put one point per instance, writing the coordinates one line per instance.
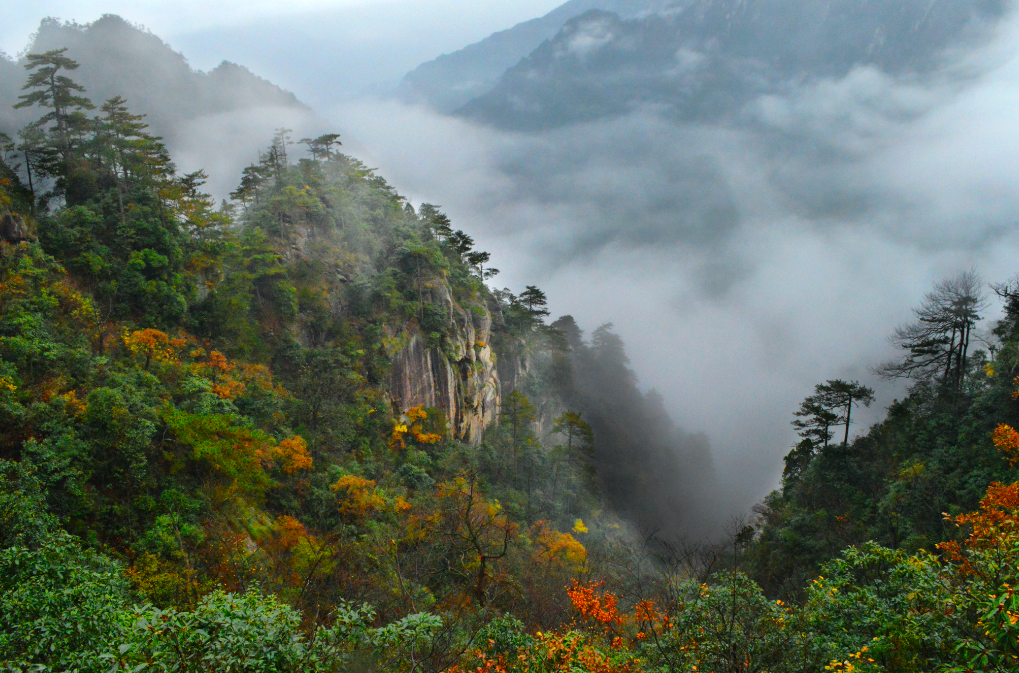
(602, 607)
(154, 346)
(1007, 441)
(554, 653)
(996, 524)
(289, 531)
(230, 379)
(292, 454)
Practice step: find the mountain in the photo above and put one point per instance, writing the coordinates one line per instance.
(183, 105)
(707, 60)
(451, 80)
(301, 432)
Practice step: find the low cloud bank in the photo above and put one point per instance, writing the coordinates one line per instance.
(741, 263)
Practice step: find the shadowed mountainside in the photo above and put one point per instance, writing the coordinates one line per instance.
(451, 80)
(711, 58)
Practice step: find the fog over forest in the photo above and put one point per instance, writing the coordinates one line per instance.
(741, 259)
(842, 201)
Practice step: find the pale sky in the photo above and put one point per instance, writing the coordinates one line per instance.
(325, 51)
(169, 18)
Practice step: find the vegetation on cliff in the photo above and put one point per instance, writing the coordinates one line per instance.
(299, 432)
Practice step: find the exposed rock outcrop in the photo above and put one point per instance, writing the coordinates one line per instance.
(460, 378)
(13, 229)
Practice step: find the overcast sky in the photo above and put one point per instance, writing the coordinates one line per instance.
(323, 50)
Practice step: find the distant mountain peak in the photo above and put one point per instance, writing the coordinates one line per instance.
(119, 58)
(451, 80)
(709, 58)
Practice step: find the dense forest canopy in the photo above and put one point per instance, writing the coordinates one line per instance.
(298, 431)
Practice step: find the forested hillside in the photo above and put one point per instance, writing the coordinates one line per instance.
(298, 431)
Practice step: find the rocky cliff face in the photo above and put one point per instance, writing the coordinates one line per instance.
(460, 378)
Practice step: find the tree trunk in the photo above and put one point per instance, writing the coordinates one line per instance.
(951, 355)
(31, 187)
(479, 588)
(963, 349)
(849, 411)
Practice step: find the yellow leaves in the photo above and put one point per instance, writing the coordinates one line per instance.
(162, 582)
(555, 549)
(913, 471)
(848, 664)
(11, 286)
(396, 442)
(7, 383)
(579, 527)
(413, 424)
(359, 497)
(74, 406)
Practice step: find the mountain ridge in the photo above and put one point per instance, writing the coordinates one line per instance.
(710, 58)
(453, 79)
(180, 103)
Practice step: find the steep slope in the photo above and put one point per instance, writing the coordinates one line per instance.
(452, 80)
(708, 60)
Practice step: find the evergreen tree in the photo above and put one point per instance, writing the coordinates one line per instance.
(321, 148)
(38, 155)
(59, 93)
(937, 343)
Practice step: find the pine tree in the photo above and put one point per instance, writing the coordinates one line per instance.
(57, 92)
(321, 148)
(938, 341)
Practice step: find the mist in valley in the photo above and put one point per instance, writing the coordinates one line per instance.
(744, 261)
(741, 259)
